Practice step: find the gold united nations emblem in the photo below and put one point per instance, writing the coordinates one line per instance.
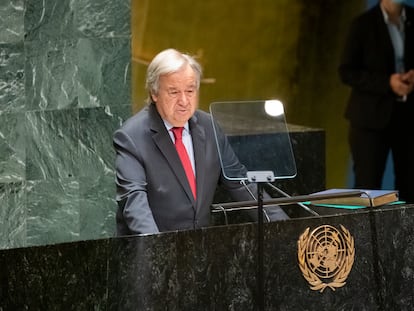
(326, 256)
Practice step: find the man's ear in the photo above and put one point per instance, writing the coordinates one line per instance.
(154, 98)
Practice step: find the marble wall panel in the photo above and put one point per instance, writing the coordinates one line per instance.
(12, 147)
(77, 73)
(12, 95)
(96, 167)
(52, 144)
(147, 264)
(66, 19)
(96, 154)
(67, 277)
(104, 72)
(13, 215)
(395, 260)
(51, 69)
(50, 20)
(217, 264)
(11, 22)
(103, 18)
(97, 207)
(53, 211)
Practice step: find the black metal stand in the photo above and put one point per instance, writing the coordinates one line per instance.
(260, 177)
(260, 249)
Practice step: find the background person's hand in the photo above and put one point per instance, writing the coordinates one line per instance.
(408, 77)
(401, 83)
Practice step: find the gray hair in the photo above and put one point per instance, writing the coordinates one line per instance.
(167, 62)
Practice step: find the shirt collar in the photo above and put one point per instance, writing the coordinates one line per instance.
(169, 126)
(403, 17)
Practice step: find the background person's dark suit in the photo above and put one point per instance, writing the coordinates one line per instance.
(153, 193)
(378, 121)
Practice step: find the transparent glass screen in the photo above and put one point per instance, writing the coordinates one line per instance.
(257, 132)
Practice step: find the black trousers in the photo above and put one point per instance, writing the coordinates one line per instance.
(370, 149)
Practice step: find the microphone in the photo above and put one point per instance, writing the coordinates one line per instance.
(288, 196)
(243, 182)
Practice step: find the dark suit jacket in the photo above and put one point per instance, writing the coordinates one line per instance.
(367, 64)
(153, 193)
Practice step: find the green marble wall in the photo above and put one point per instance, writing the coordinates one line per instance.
(64, 89)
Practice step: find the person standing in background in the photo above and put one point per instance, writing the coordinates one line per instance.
(378, 64)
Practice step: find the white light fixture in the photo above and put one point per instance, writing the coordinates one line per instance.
(274, 107)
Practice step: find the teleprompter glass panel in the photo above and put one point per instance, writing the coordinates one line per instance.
(257, 133)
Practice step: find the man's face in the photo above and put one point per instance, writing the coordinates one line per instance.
(177, 98)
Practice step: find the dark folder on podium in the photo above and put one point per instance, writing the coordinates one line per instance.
(366, 198)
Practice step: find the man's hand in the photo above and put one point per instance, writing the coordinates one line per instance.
(402, 83)
(408, 77)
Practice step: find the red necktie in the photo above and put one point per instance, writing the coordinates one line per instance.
(185, 160)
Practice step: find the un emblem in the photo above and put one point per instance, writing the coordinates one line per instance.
(326, 256)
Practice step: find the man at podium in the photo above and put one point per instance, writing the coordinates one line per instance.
(167, 162)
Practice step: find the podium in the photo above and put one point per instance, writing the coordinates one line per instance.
(215, 268)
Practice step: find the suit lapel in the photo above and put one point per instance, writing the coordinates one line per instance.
(383, 35)
(162, 140)
(409, 44)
